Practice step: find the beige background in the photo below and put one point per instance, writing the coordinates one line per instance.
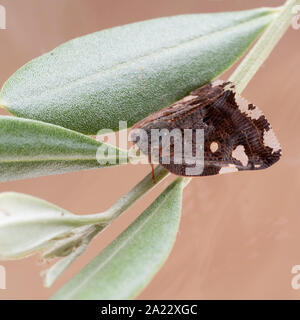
(240, 233)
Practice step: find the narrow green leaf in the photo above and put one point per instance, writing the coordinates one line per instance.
(30, 148)
(126, 266)
(128, 72)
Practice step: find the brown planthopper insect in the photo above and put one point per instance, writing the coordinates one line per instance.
(225, 134)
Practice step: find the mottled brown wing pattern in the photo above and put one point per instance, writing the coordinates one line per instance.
(237, 136)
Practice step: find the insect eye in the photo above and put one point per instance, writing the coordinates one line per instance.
(214, 146)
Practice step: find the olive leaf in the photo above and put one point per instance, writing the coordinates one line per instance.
(126, 73)
(30, 148)
(126, 266)
(29, 224)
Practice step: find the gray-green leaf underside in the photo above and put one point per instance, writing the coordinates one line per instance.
(126, 73)
(28, 224)
(30, 148)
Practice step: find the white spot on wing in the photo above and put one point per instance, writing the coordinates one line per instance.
(214, 147)
(243, 105)
(239, 154)
(216, 83)
(230, 168)
(270, 140)
(188, 98)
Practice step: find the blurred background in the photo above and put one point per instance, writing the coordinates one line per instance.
(239, 236)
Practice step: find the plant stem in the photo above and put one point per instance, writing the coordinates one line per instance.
(140, 189)
(127, 200)
(264, 46)
(95, 224)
